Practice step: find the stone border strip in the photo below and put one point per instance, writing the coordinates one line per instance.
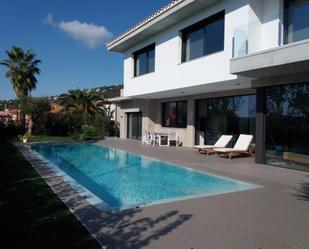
(69, 195)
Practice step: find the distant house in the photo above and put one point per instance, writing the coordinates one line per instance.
(56, 108)
(9, 115)
(5, 117)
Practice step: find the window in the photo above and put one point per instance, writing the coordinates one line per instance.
(175, 114)
(144, 60)
(228, 115)
(296, 21)
(287, 126)
(203, 38)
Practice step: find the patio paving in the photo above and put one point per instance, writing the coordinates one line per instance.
(275, 216)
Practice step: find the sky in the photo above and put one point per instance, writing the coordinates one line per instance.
(69, 37)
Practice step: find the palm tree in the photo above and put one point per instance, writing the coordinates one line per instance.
(85, 102)
(22, 68)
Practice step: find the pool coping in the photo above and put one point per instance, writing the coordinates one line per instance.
(101, 205)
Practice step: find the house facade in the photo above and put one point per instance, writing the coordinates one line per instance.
(213, 67)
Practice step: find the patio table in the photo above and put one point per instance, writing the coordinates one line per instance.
(163, 138)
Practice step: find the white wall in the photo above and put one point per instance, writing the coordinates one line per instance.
(264, 24)
(170, 73)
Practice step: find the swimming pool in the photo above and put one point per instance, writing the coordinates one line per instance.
(123, 180)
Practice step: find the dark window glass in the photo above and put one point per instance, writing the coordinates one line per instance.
(244, 112)
(144, 60)
(287, 126)
(204, 37)
(195, 44)
(214, 33)
(219, 118)
(141, 64)
(296, 20)
(151, 60)
(181, 114)
(175, 114)
(225, 116)
(134, 125)
(200, 120)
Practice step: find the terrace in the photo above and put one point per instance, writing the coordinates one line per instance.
(273, 216)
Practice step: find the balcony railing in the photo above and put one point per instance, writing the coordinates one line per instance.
(254, 36)
(270, 32)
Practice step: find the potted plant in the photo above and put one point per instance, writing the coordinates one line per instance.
(23, 138)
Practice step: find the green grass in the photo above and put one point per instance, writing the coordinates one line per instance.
(45, 138)
(31, 215)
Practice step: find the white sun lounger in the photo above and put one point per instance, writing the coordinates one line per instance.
(241, 147)
(221, 143)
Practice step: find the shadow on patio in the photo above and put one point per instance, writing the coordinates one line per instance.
(303, 191)
(130, 229)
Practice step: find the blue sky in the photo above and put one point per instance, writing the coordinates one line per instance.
(69, 36)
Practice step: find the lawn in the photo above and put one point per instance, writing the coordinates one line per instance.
(45, 138)
(31, 215)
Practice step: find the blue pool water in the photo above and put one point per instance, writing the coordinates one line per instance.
(123, 180)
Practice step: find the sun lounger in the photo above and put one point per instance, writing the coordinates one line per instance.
(241, 147)
(221, 143)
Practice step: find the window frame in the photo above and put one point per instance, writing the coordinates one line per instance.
(146, 50)
(288, 5)
(196, 26)
(177, 125)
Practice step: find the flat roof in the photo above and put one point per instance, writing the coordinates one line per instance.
(165, 17)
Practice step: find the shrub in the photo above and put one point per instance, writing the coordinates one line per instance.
(11, 129)
(112, 129)
(88, 132)
(105, 126)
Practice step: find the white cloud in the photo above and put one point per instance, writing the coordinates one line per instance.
(50, 20)
(88, 33)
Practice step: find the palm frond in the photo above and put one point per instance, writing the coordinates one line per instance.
(22, 69)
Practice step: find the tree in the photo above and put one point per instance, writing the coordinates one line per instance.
(88, 103)
(34, 108)
(22, 70)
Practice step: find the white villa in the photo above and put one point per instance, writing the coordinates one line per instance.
(204, 68)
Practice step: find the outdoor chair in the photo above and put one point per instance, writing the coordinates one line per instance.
(222, 142)
(241, 147)
(173, 139)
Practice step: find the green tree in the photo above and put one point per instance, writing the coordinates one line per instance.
(22, 70)
(88, 103)
(34, 108)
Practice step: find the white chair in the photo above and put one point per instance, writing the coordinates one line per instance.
(145, 137)
(241, 147)
(221, 143)
(173, 138)
(152, 138)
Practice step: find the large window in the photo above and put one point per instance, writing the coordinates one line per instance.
(296, 21)
(287, 125)
(225, 116)
(174, 114)
(203, 38)
(144, 60)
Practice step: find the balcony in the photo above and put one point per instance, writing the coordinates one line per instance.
(273, 47)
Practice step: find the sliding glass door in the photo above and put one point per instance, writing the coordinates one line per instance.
(287, 126)
(229, 115)
(134, 126)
